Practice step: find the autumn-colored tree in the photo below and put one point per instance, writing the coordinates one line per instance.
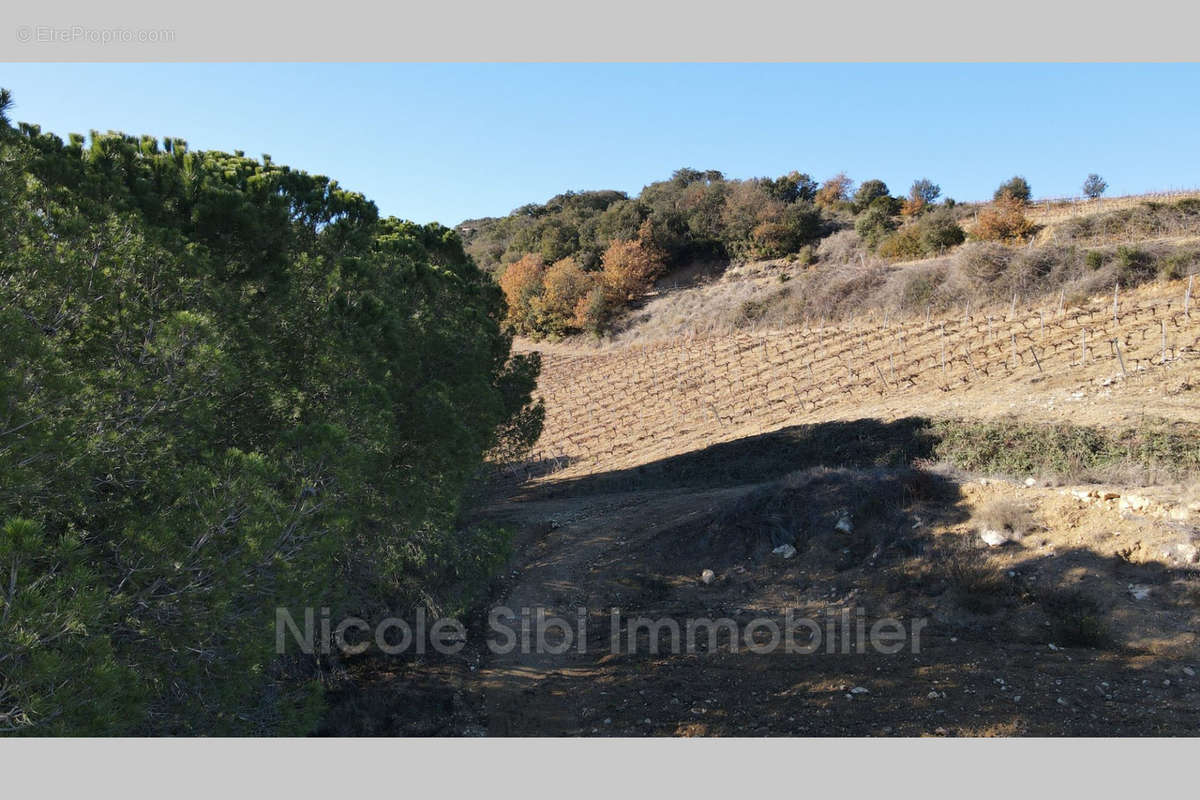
(1004, 221)
(522, 283)
(592, 310)
(565, 285)
(920, 197)
(834, 191)
(628, 268)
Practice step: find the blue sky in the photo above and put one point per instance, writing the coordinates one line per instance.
(455, 141)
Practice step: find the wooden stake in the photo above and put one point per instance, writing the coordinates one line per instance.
(1187, 298)
(1036, 360)
(1117, 346)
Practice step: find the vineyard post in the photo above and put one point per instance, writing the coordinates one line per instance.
(944, 355)
(1012, 309)
(1062, 295)
(1117, 347)
(1014, 349)
(1187, 297)
(1163, 323)
(1116, 289)
(1083, 348)
(1036, 360)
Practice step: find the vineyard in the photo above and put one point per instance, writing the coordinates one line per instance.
(616, 408)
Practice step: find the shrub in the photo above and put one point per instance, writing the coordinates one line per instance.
(903, 244)
(840, 248)
(1094, 260)
(834, 191)
(868, 192)
(920, 288)
(1134, 265)
(522, 283)
(1015, 189)
(593, 309)
(629, 267)
(565, 285)
(1178, 265)
(983, 263)
(1006, 516)
(1075, 619)
(1004, 221)
(874, 224)
(939, 231)
(921, 195)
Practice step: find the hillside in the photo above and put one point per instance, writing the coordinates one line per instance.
(703, 463)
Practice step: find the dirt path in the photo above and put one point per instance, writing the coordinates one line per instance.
(530, 689)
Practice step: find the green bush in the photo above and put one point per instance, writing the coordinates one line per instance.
(1134, 265)
(227, 387)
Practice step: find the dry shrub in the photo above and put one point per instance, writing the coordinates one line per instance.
(978, 581)
(1006, 516)
(983, 263)
(1004, 221)
(841, 248)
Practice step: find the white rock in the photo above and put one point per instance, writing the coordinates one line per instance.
(860, 690)
(1139, 591)
(785, 550)
(707, 577)
(843, 524)
(993, 538)
(1191, 673)
(1187, 552)
(1031, 482)
(1134, 502)
(933, 695)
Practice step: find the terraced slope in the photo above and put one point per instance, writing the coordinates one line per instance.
(1101, 363)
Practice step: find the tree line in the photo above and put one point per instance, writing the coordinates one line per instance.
(572, 263)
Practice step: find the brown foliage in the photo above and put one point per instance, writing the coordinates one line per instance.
(628, 268)
(834, 191)
(522, 283)
(566, 285)
(1004, 221)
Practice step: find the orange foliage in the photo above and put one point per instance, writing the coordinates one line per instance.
(566, 286)
(1004, 221)
(628, 267)
(833, 191)
(521, 283)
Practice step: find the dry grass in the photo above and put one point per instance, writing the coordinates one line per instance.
(1006, 516)
(1048, 211)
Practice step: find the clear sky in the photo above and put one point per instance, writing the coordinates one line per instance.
(449, 142)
